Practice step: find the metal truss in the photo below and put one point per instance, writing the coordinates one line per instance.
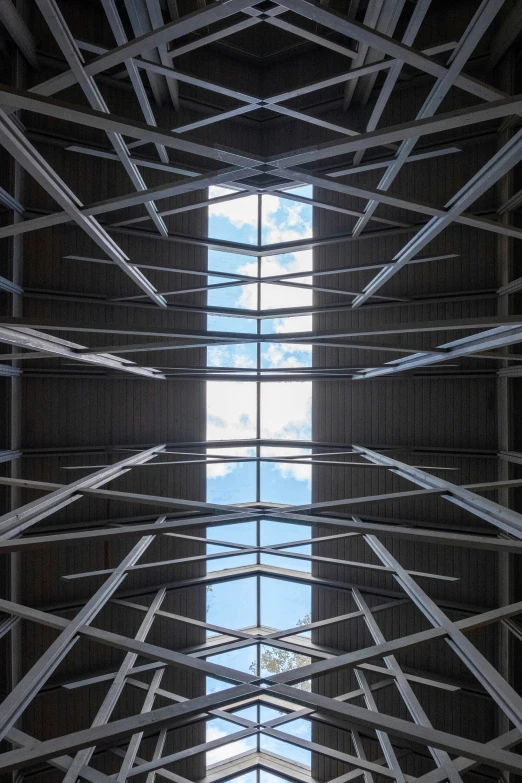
(451, 755)
(379, 744)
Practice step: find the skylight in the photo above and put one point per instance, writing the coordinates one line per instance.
(267, 597)
(273, 410)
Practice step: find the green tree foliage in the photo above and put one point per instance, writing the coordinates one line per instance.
(274, 660)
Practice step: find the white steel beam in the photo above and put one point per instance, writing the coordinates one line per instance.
(14, 141)
(22, 694)
(110, 701)
(505, 519)
(480, 22)
(52, 15)
(47, 345)
(14, 522)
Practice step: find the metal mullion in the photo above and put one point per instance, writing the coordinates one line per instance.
(110, 701)
(258, 367)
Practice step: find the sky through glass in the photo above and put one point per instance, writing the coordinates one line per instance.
(268, 601)
(232, 406)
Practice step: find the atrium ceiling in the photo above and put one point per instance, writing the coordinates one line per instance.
(261, 334)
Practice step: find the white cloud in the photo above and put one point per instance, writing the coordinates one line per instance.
(229, 356)
(299, 472)
(231, 415)
(225, 751)
(240, 212)
(286, 410)
(285, 407)
(292, 225)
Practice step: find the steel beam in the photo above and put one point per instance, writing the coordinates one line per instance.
(110, 701)
(481, 20)
(14, 522)
(509, 701)
(22, 694)
(504, 160)
(504, 518)
(382, 43)
(19, 32)
(120, 729)
(30, 159)
(46, 345)
(52, 15)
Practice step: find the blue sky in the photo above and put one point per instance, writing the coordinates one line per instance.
(285, 407)
(231, 414)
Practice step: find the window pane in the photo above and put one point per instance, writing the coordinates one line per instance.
(284, 608)
(232, 604)
(235, 220)
(217, 729)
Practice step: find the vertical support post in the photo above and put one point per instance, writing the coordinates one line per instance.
(504, 403)
(17, 243)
